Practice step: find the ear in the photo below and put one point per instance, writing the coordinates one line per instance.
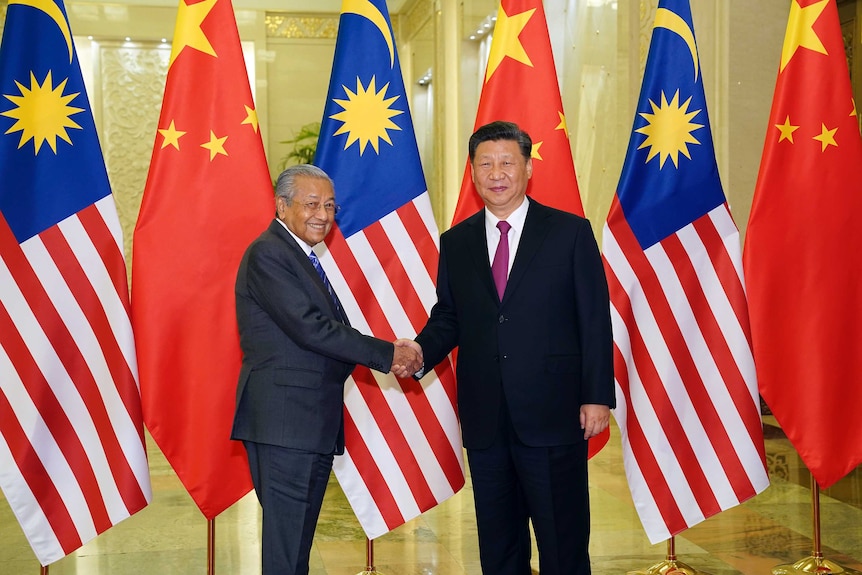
(529, 168)
(280, 206)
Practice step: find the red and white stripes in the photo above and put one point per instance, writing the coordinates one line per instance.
(687, 402)
(403, 445)
(72, 456)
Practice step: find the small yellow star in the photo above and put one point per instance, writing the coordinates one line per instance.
(853, 113)
(251, 118)
(506, 42)
(800, 30)
(786, 130)
(188, 28)
(826, 137)
(171, 136)
(562, 125)
(534, 153)
(215, 145)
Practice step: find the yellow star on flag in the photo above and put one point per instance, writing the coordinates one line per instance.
(215, 145)
(171, 136)
(506, 42)
(250, 118)
(562, 125)
(800, 30)
(188, 30)
(826, 137)
(786, 130)
(534, 153)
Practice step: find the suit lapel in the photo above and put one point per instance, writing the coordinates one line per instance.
(306, 265)
(532, 238)
(478, 246)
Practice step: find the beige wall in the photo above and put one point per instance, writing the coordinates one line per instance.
(599, 45)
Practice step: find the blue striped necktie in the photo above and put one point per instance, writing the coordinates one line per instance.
(316, 263)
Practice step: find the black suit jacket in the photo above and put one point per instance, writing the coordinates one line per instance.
(547, 347)
(298, 349)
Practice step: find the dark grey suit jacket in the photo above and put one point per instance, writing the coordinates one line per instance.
(298, 350)
(547, 347)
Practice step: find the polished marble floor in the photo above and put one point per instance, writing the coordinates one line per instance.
(170, 535)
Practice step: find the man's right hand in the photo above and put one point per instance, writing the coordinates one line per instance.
(407, 358)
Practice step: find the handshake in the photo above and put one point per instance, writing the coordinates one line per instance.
(407, 359)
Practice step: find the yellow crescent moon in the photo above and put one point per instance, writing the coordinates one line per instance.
(54, 12)
(664, 18)
(368, 10)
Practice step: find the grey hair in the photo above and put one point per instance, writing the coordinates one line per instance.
(285, 186)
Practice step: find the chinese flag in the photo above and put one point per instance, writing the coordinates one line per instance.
(802, 249)
(521, 86)
(208, 194)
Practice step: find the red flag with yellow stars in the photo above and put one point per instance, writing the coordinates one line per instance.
(802, 248)
(521, 87)
(208, 195)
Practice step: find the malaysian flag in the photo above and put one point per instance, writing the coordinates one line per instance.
(72, 456)
(403, 447)
(687, 403)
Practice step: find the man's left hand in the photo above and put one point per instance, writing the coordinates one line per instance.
(594, 419)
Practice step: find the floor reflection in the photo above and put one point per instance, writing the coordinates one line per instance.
(771, 529)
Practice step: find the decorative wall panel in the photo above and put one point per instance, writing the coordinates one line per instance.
(130, 83)
(301, 26)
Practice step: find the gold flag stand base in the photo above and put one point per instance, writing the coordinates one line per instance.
(670, 565)
(813, 564)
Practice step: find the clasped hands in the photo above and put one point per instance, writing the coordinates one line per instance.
(407, 359)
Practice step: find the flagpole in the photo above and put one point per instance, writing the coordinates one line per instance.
(369, 559)
(814, 563)
(44, 570)
(211, 546)
(670, 565)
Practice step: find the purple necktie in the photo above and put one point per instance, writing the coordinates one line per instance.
(500, 266)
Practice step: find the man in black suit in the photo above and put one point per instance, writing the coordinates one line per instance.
(298, 350)
(526, 303)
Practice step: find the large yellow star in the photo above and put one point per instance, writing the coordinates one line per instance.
(506, 42)
(215, 145)
(250, 118)
(188, 30)
(800, 30)
(171, 136)
(786, 130)
(826, 137)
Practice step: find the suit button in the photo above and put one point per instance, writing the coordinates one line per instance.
(502, 318)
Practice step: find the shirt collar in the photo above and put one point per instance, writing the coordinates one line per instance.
(305, 247)
(516, 218)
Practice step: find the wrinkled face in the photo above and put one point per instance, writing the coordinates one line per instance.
(500, 174)
(311, 213)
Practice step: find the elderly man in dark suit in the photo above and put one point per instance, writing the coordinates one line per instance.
(298, 350)
(522, 294)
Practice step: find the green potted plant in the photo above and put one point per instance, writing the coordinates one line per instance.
(304, 144)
